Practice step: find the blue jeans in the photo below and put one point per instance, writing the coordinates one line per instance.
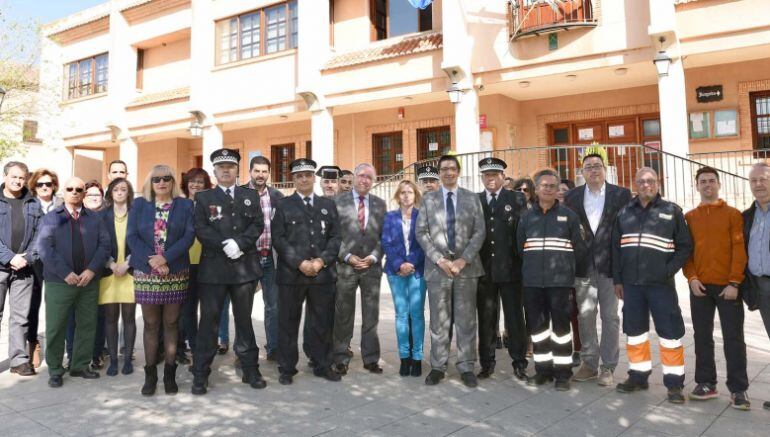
(409, 301)
(224, 322)
(270, 297)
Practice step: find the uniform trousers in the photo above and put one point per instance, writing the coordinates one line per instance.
(488, 304)
(319, 303)
(549, 323)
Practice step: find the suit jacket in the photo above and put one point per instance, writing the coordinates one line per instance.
(599, 244)
(469, 233)
(499, 255)
(395, 248)
(300, 234)
(55, 243)
(749, 289)
(180, 234)
(108, 217)
(355, 242)
(219, 217)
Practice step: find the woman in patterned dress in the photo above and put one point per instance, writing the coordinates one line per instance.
(160, 233)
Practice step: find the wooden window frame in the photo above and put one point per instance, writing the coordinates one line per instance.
(262, 32)
(754, 127)
(139, 69)
(425, 131)
(373, 29)
(72, 93)
(275, 159)
(377, 157)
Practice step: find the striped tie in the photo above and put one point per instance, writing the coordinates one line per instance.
(361, 214)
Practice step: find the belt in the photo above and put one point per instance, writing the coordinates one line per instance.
(264, 253)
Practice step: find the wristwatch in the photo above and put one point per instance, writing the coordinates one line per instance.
(735, 284)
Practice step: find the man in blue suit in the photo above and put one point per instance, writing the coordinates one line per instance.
(74, 245)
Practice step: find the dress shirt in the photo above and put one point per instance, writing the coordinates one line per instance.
(232, 190)
(489, 196)
(759, 243)
(593, 203)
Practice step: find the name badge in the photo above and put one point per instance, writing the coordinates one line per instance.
(665, 216)
(561, 218)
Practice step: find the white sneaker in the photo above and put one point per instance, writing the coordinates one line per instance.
(606, 378)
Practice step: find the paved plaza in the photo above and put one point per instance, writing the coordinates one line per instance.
(379, 405)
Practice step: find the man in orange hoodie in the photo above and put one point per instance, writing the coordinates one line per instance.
(714, 271)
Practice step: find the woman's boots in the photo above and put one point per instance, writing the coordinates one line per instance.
(169, 379)
(150, 380)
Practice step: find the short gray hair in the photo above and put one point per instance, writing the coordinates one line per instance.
(364, 165)
(12, 164)
(644, 170)
(761, 165)
(545, 172)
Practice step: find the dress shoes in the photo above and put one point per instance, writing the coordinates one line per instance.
(539, 379)
(434, 377)
(55, 381)
(285, 379)
(85, 374)
(327, 374)
(520, 373)
(485, 373)
(340, 368)
(373, 368)
(469, 379)
(254, 379)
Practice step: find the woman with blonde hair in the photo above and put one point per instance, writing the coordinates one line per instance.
(160, 233)
(404, 262)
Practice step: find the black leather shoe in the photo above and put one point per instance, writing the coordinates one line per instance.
(562, 385)
(520, 373)
(199, 386)
(406, 367)
(469, 379)
(327, 374)
(629, 386)
(285, 379)
(55, 381)
(85, 373)
(416, 368)
(340, 368)
(434, 377)
(373, 367)
(23, 369)
(485, 373)
(539, 379)
(254, 379)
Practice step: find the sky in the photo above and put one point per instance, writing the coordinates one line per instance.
(43, 11)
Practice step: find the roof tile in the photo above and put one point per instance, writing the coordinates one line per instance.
(387, 49)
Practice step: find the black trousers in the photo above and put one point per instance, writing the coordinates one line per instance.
(212, 300)
(319, 301)
(548, 321)
(731, 317)
(488, 306)
(33, 318)
(189, 313)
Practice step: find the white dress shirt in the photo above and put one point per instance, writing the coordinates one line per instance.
(232, 190)
(489, 195)
(593, 203)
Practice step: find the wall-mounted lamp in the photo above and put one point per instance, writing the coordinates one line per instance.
(662, 61)
(455, 93)
(196, 129)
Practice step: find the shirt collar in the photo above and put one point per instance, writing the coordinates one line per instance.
(67, 208)
(489, 193)
(444, 191)
(601, 190)
(232, 189)
(356, 196)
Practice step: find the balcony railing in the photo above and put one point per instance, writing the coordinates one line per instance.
(738, 162)
(535, 17)
(675, 173)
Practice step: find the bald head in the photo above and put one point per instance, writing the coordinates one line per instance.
(74, 192)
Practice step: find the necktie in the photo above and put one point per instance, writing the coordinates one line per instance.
(361, 214)
(229, 192)
(450, 221)
(75, 215)
(493, 202)
(307, 204)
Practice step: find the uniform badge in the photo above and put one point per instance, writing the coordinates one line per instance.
(561, 218)
(247, 202)
(665, 216)
(508, 208)
(225, 152)
(215, 212)
(323, 227)
(324, 211)
(272, 213)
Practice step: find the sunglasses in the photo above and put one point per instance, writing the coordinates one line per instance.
(44, 184)
(157, 179)
(75, 189)
(523, 190)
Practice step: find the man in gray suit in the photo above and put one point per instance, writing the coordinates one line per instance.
(450, 229)
(360, 265)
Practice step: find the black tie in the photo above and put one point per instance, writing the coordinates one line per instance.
(493, 202)
(229, 193)
(450, 221)
(308, 205)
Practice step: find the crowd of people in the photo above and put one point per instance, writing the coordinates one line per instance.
(556, 256)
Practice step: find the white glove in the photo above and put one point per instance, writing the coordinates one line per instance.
(231, 248)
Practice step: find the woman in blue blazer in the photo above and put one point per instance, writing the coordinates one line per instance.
(160, 233)
(404, 263)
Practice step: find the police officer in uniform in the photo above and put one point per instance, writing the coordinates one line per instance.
(330, 175)
(427, 177)
(307, 238)
(502, 209)
(228, 222)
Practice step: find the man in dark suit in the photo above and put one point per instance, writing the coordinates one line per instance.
(306, 237)
(74, 246)
(259, 171)
(228, 222)
(502, 271)
(361, 217)
(597, 204)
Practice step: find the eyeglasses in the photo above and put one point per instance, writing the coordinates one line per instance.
(94, 195)
(593, 167)
(75, 189)
(44, 184)
(549, 186)
(646, 181)
(523, 190)
(157, 179)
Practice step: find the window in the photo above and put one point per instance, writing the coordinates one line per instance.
(139, 69)
(309, 149)
(388, 154)
(391, 18)
(87, 76)
(257, 33)
(433, 142)
(281, 156)
(29, 135)
(760, 119)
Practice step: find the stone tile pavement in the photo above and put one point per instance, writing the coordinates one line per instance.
(379, 405)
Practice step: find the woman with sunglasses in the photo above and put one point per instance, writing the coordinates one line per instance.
(527, 187)
(116, 288)
(160, 233)
(43, 185)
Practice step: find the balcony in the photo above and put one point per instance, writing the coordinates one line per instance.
(537, 17)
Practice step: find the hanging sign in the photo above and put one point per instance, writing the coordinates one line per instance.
(712, 93)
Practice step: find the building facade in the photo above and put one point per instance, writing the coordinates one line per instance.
(349, 81)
